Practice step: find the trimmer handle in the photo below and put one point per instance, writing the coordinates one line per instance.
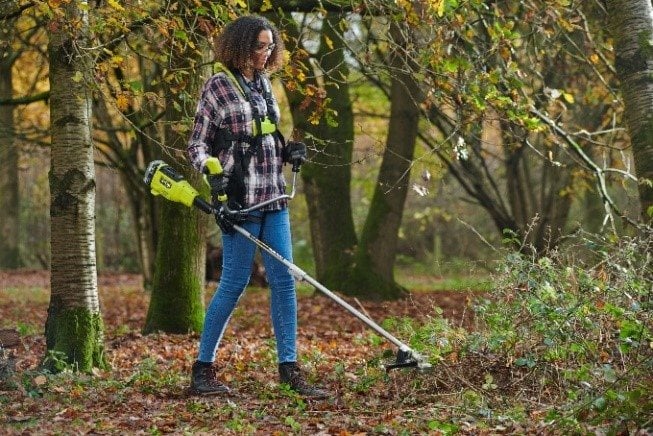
(215, 178)
(296, 154)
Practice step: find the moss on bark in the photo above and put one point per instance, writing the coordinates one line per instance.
(176, 305)
(365, 283)
(75, 339)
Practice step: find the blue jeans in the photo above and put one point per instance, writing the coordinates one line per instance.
(237, 259)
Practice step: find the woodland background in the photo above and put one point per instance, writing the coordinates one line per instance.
(478, 178)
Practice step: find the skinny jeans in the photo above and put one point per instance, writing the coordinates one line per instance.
(237, 260)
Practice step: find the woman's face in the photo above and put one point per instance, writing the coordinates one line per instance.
(262, 49)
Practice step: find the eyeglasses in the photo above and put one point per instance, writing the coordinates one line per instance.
(263, 47)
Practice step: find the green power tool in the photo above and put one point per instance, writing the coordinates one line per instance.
(165, 181)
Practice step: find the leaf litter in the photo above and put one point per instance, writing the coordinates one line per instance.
(145, 389)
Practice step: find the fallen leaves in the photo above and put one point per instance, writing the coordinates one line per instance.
(145, 391)
(40, 380)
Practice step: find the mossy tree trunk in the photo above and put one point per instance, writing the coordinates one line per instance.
(176, 304)
(365, 269)
(631, 23)
(74, 331)
(327, 176)
(9, 196)
(373, 271)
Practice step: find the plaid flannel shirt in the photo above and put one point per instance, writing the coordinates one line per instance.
(223, 106)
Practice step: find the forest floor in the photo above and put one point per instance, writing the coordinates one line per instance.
(145, 389)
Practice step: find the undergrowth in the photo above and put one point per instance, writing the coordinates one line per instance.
(561, 344)
(569, 331)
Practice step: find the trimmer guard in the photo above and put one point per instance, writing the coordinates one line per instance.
(408, 359)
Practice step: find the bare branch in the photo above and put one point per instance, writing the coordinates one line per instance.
(15, 12)
(598, 171)
(42, 96)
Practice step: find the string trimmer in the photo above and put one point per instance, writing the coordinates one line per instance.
(163, 180)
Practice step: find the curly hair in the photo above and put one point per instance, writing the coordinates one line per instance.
(235, 45)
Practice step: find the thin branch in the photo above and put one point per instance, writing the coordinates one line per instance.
(16, 12)
(476, 232)
(43, 96)
(598, 171)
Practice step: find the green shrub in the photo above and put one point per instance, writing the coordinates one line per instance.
(579, 317)
(573, 329)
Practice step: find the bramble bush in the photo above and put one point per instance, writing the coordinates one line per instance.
(570, 331)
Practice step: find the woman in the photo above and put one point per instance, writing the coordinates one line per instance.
(236, 122)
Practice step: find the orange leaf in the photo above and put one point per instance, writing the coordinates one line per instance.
(122, 102)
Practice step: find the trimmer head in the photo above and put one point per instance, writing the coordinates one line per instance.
(408, 359)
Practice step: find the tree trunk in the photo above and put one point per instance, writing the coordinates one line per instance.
(373, 272)
(9, 196)
(142, 213)
(327, 176)
(631, 23)
(176, 305)
(74, 330)
(144, 208)
(555, 203)
(534, 190)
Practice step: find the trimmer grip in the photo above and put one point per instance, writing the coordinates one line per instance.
(212, 167)
(203, 205)
(215, 178)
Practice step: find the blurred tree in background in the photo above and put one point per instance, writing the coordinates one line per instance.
(9, 199)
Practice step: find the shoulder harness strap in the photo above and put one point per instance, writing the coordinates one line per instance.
(262, 125)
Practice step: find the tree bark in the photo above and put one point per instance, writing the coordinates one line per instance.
(631, 23)
(327, 175)
(177, 305)
(373, 272)
(9, 194)
(74, 330)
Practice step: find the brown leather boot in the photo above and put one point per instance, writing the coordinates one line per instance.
(291, 374)
(204, 380)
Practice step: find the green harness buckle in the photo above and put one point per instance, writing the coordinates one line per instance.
(267, 127)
